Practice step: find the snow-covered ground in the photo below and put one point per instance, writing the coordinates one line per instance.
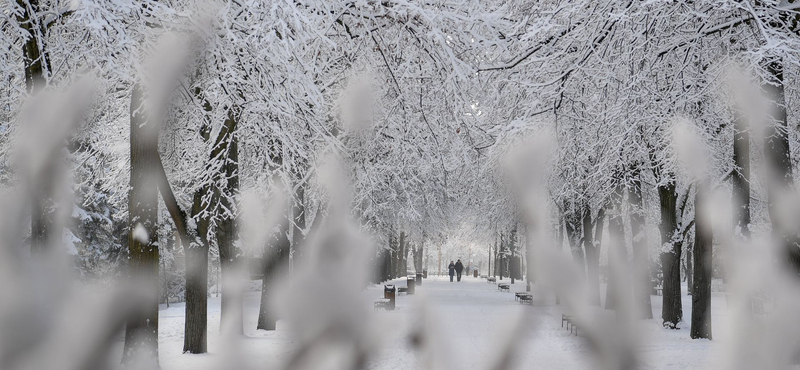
(470, 317)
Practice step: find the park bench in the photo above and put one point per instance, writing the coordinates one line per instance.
(382, 304)
(491, 279)
(659, 290)
(504, 287)
(523, 297)
(401, 289)
(570, 323)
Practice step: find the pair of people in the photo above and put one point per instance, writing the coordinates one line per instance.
(455, 269)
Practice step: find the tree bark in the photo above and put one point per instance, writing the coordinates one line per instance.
(141, 331)
(779, 166)
(572, 222)
(512, 246)
(641, 283)
(617, 252)
(403, 254)
(231, 315)
(196, 254)
(701, 291)
(36, 64)
(298, 216)
(689, 258)
(740, 181)
(672, 311)
(592, 248)
(275, 255)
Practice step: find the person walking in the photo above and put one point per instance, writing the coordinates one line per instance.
(459, 267)
(452, 269)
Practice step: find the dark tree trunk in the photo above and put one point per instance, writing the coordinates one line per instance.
(298, 216)
(641, 259)
(572, 223)
(403, 254)
(275, 255)
(502, 255)
(494, 272)
(617, 253)
(231, 315)
(212, 199)
(592, 248)
(387, 265)
(689, 258)
(34, 59)
(560, 245)
(196, 255)
(392, 260)
(779, 165)
(701, 292)
(672, 311)
(195, 324)
(36, 64)
(141, 332)
(512, 246)
(740, 181)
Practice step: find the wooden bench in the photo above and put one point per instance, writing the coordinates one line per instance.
(491, 279)
(382, 304)
(523, 297)
(504, 287)
(570, 323)
(401, 289)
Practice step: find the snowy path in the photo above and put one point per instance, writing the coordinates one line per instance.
(472, 317)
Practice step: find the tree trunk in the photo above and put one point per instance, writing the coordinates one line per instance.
(501, 256)
(641, 259)
(512, 246)
(740, 181)
(34, 59)
(390, 255)
(689, 258)
(572, 223)
(274, 256)
(617, 253)
(36, 63)
(701, 292)
(196, 320)
(779, 165)
(672, 311)
(403, 244)
(592, 247)
(298, 216)
(493, 272)
(141, 331)
(231, 315)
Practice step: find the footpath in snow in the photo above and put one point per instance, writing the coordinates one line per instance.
(471, 320)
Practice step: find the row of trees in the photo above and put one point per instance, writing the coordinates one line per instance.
(200, 102)
(612, 82)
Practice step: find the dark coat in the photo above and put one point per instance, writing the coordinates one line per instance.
(459, 267)
(452, 269)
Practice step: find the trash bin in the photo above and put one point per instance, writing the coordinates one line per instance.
(424, 274)
(474, 273)
(389, 292)
(419, 278)
(410, 284)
